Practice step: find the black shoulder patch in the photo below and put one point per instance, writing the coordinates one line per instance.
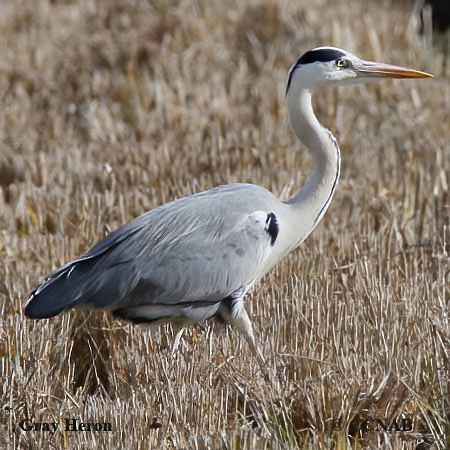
(318, 55)
(272, 227)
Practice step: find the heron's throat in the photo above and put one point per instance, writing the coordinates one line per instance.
(314, 197)
(306, 126)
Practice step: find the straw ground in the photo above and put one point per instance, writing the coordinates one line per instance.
(110, 108)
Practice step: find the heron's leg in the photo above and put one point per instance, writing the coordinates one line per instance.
(233, 312)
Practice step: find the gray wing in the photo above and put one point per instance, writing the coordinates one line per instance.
(180, 259)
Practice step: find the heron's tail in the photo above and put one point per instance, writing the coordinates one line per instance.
(58, 292)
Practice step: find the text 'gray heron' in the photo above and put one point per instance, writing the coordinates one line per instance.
(196, 257)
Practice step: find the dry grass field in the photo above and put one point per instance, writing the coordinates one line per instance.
(112, 107)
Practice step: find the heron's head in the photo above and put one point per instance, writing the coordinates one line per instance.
(325, 66)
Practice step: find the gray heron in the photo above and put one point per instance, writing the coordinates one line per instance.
(196, 257)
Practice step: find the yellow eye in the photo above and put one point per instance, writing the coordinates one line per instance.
(342, 63)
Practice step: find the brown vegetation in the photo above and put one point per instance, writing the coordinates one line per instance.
(112, 107)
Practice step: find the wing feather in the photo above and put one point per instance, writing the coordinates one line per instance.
(198, 248)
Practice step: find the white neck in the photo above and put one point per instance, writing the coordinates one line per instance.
(313, 199)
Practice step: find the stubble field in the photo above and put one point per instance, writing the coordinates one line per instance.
(111, 108)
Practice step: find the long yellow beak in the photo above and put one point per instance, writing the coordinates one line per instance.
(367, 69)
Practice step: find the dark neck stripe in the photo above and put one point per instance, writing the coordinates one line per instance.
(335, 182)
(318, 55)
